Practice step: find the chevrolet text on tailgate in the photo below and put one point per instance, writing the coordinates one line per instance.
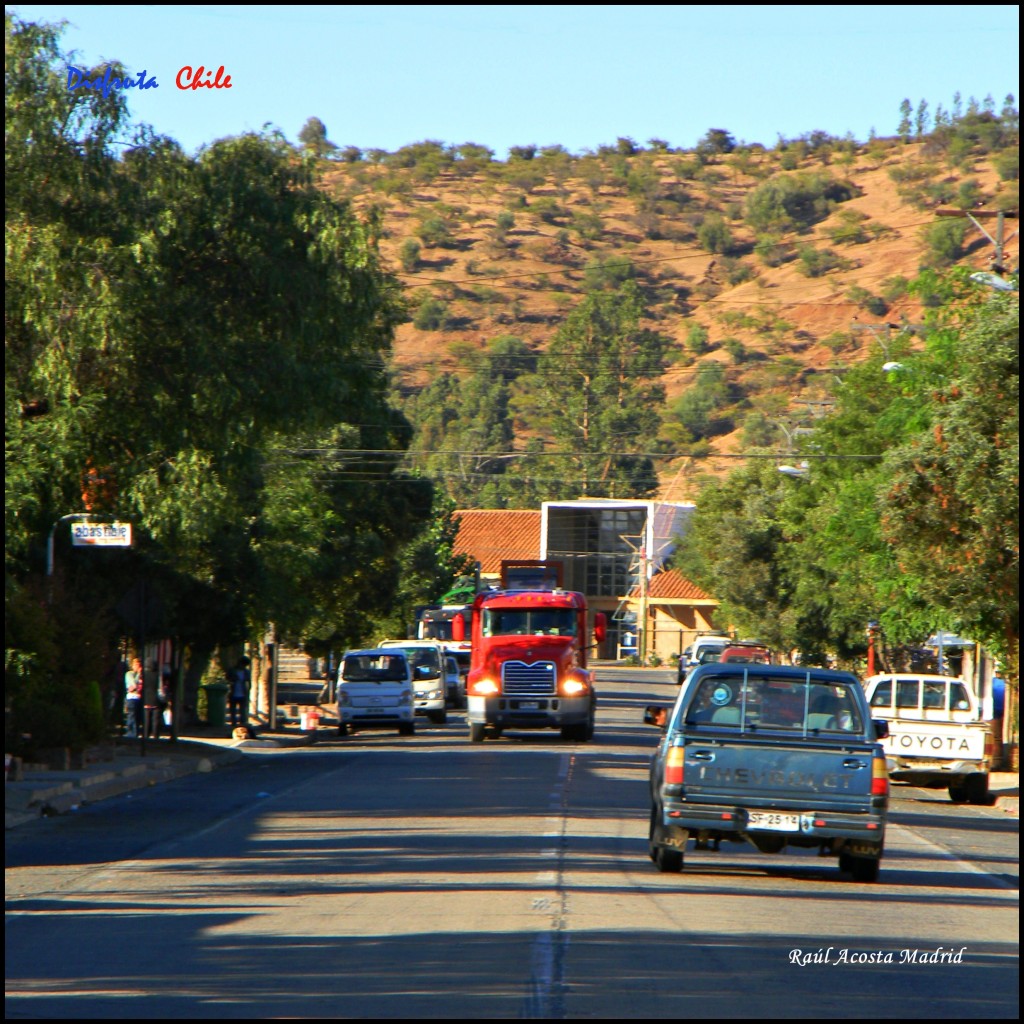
(774, 756)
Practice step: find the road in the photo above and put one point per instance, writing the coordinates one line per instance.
(428, 877)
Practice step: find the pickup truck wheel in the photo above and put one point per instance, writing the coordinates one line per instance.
(667, 860)
(407, 729)
(438, 717)
(342, 729)
(958, 794)
(477, 732)
(976, 788)
(864, 869)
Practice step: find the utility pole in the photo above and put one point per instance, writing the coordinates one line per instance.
(883, 332)
(976, 217)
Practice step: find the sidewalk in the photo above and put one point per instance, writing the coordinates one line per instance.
(120, 767)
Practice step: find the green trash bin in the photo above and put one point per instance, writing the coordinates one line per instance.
(216, 704)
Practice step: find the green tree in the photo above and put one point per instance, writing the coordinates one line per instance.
(465, 427)
(171, 323)
(921, 120)
(714, 234)
(794, 201)
(951, 509)
(904, 127)
(596, 395)
(313, 138)
(734, 550)
(698, 409)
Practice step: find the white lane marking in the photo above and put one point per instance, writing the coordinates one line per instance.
(941, 853)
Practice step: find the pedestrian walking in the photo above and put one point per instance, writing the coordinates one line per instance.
(133, 705)
(238, 693)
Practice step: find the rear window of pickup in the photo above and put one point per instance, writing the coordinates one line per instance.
(768, 703)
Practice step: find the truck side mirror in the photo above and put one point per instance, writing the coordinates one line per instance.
(458, 628)
(881, 728)
(655, 714)
(600, 627)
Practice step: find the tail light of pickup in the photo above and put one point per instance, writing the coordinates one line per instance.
(879, 777)
(674, 766)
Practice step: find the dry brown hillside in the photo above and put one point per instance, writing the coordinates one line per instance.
(509, 247)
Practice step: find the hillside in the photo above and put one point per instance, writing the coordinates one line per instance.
(793, 259)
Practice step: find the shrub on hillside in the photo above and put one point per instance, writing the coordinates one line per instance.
(431, 314)
(714, 234)
(818, 262)
(409, 255)
(945, 242)
(795, 201)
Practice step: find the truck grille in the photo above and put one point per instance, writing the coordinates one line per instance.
(521, 680)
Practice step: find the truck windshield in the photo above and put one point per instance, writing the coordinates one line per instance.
(776, 704)
(425, 662)
(529, 622)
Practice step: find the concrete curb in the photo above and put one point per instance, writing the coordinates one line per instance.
(42, 792)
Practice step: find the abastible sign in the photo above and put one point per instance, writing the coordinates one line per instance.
(107, 535)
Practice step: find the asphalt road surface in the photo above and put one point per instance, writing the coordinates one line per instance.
(427, 877)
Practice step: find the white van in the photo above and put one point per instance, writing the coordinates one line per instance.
(375, 691)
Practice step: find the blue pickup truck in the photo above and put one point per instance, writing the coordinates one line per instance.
(773, 756)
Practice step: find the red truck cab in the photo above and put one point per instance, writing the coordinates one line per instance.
(528, 666)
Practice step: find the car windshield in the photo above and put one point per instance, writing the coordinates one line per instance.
(529, 622)
(774, 703)
(364, 668)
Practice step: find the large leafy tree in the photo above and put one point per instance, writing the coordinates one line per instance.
(172, 325)
(908, 513)
(465, 427)
(951, 507)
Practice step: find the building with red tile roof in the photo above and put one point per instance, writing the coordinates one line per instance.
(604, 546)
(493, 535)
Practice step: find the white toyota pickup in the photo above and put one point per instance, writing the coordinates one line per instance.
(936, 733)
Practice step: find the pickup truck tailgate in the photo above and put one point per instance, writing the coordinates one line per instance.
(936, 741)
(757, 774)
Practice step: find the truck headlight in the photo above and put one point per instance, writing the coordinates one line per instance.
(484, 688)
(574, 687)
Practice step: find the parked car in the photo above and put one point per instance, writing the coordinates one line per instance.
(936, 733)
(702, 651)
(746, 654)
(375, 691)
(453, 686)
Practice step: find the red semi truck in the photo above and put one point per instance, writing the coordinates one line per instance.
(529, 661)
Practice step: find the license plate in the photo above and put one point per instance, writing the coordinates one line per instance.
(529, 705)
(773, 822)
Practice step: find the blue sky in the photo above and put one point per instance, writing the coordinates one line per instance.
(382, 77)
